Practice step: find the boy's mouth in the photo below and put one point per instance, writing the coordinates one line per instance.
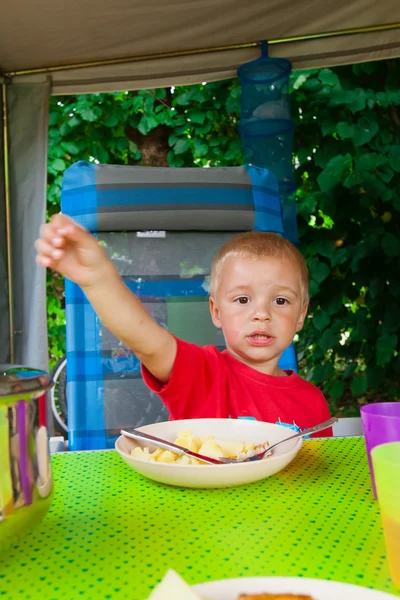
(260, 338)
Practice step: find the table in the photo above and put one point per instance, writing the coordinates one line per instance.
(112, 534)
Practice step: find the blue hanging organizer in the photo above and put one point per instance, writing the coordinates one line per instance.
(266, 128)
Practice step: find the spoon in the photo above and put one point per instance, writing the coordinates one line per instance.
(265, 453)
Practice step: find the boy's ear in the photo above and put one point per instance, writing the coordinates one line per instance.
(302, 316)
(214, 313)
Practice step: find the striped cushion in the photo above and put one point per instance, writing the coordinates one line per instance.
(198, 210)
(116, 198)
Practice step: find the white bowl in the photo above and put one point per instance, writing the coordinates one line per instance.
(213, 476)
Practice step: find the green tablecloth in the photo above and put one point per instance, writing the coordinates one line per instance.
(112, 534)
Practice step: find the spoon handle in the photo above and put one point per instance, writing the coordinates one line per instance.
(166, 445)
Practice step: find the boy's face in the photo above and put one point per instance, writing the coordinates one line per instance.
(259, 305)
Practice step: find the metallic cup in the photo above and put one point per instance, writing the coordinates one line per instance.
(25, 469)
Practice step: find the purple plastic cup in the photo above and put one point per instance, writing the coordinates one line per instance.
(381, 424)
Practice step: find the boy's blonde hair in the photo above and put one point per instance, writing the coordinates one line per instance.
(258, 245)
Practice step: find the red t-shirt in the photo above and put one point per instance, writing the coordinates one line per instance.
(207, 383)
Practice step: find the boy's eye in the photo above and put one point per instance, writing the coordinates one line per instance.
(242, 300)
(281, 301)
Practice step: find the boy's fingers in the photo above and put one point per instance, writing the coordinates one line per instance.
(46, 249)
(61, 220)
(73, 232)
(48, 232)
(44, 261)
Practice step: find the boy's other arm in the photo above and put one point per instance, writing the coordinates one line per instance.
(71, 250)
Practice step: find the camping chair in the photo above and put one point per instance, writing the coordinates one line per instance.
(162, 228)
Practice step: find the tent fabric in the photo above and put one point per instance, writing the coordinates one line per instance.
(57, 33)
(27, 106)
(53, 33)
(4, 322)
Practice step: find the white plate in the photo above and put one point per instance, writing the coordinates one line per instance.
(213, 476)
(319, 589)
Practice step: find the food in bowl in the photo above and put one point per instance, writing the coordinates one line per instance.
(212, 476)
(206, 445)
(173, 587)
(274, 597)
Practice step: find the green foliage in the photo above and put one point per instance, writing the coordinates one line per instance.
(347, 162)
(347, 146)
(202, 122)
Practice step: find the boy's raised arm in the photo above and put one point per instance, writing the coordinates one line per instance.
(72, 251)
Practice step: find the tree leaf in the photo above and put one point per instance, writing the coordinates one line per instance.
(328, 340)
(88, 114)
(386, 174)
(321, 320)
(328, 77)
(366, 129)
(334, 172)
(200, 148)
(197, 116)
(233, 104)
(369, 161)
(336, 389)
(373, 185)
(355, 99)
(328, 126)
(183, 98)
(147, 123)
(391, 244)
(134, 151)
(384, 355)
(54, 118)
(112, 120)
(322, 372)
(320, 271)
(394, 162)
(58, 165)
(359, 385)
(345, 130)
(71, 148)
(181, 145)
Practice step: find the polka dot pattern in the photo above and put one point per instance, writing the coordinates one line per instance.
(112, 534)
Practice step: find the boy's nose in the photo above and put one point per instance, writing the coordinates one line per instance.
(262, 314)
(262, 317)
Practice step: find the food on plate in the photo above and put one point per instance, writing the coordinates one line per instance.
(206, 445)
(173, 587)
(274, 597)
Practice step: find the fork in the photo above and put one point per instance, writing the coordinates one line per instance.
(264, 453)
(135, 434)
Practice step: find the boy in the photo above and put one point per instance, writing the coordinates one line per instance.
(258, 297)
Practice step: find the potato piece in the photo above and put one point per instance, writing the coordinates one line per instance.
(211, 448)
(167, 456)
(142, 454)
(188, 441)
(184, 460)
(230, 449)
(138, 452)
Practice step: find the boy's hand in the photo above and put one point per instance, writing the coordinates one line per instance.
(71, 250)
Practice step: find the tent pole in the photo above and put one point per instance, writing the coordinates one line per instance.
(8, 218)
(197, 51)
